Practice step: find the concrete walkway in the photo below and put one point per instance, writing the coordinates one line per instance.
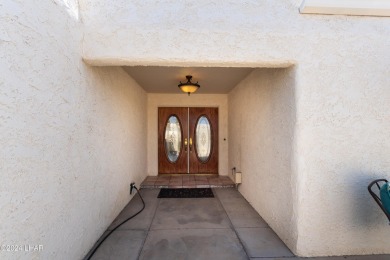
(224, 227)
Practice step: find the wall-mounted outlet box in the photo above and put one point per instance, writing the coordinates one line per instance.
(237, 177)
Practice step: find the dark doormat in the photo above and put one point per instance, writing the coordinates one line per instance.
(186, 193)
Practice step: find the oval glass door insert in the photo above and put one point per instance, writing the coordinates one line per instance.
(173, 139)
(203, 139)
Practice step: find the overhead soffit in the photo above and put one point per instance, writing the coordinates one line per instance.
(212, 80)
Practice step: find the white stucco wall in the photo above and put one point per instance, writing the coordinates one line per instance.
(262, 116)
(343, 144)
(341, 94)
(180, 100)
(72, 137)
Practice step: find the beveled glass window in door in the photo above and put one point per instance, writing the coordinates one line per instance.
(173, 139)
(203, 139)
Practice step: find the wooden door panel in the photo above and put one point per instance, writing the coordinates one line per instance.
(165, 166)
(210, 165)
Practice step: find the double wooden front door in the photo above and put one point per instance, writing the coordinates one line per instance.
(187, 140)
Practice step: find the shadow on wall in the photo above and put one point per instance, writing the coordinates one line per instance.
(364, 213)
(364, 210)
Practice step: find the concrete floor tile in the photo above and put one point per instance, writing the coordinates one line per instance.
(122, 244)
(149, 193)
(243, 215)
(246, 219)
(262, 242)
(142, 220)
(226, 194)
(197, 229)
(359, 257)
(192, 244)
(276, 258)
(190, 213)
(240, 212)
(368, 257)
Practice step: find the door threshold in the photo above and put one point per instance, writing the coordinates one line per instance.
(187, 181)
(187, 174)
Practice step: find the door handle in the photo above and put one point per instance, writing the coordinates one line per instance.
(190, 144)
(185, 144)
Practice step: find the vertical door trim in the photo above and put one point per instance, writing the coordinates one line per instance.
(188, 136)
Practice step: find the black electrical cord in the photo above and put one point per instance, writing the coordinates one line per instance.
(101, 242)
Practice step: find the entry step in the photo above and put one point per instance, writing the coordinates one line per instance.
(187, 181)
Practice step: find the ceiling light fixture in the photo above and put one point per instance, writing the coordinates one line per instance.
(189, 87)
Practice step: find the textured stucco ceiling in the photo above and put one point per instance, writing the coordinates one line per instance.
(212, 80)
